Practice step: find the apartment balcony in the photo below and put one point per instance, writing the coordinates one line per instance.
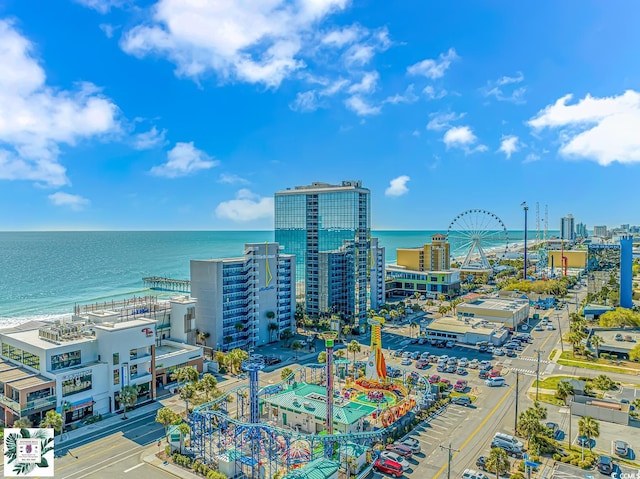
(29, 407)
(141, 377)
(139, 358)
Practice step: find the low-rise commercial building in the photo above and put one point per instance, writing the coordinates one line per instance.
(465, 330)
(508, 311)
(405, 282)
(576, 259)
(617, 342)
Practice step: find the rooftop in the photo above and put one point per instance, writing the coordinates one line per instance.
(296, 398)
(610, 342)
(496, 304)
(317, 469)
(134, 323)
(32, 337)
(171, 348)
(31, 381)
(459, 325)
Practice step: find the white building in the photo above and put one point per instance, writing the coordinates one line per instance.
(79, 366)
(508, 311)
(568, 228)
(238, 298)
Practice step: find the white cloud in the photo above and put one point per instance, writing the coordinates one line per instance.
(462, 137)
(344, 36)
(184, 159)
(367, 84)
(75, 202)
(247, 206)
(407, 97)
(255, 42)
(102, 6)
(305, 101)
(36, 119)
(434, 68)
(432, 94)
(531, 157)
(509, 145)
(149, 139)
(512, 93)
(232, 179)
(604, 130)
(441, 121)
(361, 107)
(108, 29)
(398, 186)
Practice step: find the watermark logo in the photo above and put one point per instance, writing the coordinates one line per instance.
(625, 475)
(28, 452)
(147, 331)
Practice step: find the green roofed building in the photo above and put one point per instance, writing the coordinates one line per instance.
(317, 469)
(304, 408)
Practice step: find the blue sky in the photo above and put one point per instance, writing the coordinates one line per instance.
(184, 114)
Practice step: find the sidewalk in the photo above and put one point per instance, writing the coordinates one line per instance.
(153, 460)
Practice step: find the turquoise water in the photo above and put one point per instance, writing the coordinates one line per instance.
(43, 274)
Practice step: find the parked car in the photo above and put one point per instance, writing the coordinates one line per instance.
(605, 465)
(498, 352)
(415, 355)
(451, 361)
(483, 349)
(387, 466)
(482, 374)
(425, 356)
(395, 457)
(422, 364)
(494, 373)
(621, 448)
(512, 354)
(463, 362)
(538, 328)
(619, 337)
(472, 474)
(461, 400)
(441, 367)
(422, 341)
(434, 379)
(554, 428)
(585, 441)
(550, 327)
(490, 349)
(412, 444)
(406, 354)
(474, 364)
(400, 449)
(481, 462)
(461, 371)
(451, 368)
(450, 344)
(513, 451)
(460, 385)
(405, 361)
(398, 353)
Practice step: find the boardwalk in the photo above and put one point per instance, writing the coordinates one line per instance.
(167, 284)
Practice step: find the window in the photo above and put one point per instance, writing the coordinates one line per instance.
(133, 354)
(65, 360)
(116, 377)
(24, 357)
(76, 383)
(116, 359)
(133, 370)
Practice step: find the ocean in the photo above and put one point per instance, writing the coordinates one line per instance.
(44, 274)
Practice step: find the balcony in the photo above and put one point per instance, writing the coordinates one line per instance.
(140, 377)
(30, 406)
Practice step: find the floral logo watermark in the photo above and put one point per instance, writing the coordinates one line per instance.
(28, 452)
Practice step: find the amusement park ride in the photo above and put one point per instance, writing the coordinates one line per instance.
(239, 432)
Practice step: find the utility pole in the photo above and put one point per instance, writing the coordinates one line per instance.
(538, 352)
(450, 450)
(570, 402)
(560, 331)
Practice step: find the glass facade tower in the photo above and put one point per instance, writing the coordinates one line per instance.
(322, 218)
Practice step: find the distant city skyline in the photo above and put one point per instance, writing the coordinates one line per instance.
(131, 115)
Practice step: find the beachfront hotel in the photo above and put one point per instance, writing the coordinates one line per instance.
(328, 228)
(425, 270)
(239, 298)
(79, 366)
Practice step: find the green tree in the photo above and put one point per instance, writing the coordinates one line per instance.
(128, 398)
(227, 339)
(285, 373)
(202, 337)
(603, 382)
(184, 430)
(296, 346)
(498, 462)
(167, 417)
(634, 354)
(589, 427)
(239, 326)
(21, 423)
(52, 420)
(596, 341)
(286, 335)
(322, 357)
(186, 377)
(620, 317)
(209, 386)
(272, 328)
(346, 330)
(564, 390)
(413, 325)
(529, 425)
(354, 347)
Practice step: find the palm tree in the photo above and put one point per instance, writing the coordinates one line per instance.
(498, 462)
(285, 373)
(394, 315)
(575, 338)
(596, 341)
(209, 385)
(272, 328)
(539, 411)
(346, 330)
(186, 377)
(529, 424)
(414, 324)
(184, 429)
(564, 390)
(322, 357)
(128, 398)
(442, 310)
(286, 335)
(167, 416)
(52, 420)
(296, 346)
(354, 347)
(339, 353)
(202, 337)
(589, 427)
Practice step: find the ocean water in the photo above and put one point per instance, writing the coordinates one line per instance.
(44, 274)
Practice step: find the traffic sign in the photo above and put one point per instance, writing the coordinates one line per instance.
(531, 464)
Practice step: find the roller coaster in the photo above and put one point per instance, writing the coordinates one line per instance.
(231, 431)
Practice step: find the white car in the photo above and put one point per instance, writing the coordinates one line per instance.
(395, 457)
(490, 349)
(474, 364)
(425, 355)
(406, 354)
(405, 362)
(422, 340)
(463, 363)
(550, 327)
(538, 328)
(498, 352)
(444, 358)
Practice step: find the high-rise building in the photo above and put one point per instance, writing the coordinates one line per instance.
(238, 298)
(600, 231)
(568, 228)
(334, 220)
(430, 257)
(581, 230)
(378, 266)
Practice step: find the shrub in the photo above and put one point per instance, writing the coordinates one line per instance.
(584, 464)
(167, 450)
(557, 457)
(517, 475)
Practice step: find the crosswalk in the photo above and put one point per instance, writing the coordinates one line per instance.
(526, 372)
(528, 358)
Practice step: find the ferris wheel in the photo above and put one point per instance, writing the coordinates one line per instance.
(475, 233)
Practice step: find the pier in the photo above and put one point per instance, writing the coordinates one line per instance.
(167, 284)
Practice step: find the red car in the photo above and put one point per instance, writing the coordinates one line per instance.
(445, 381)
(422, 364)
(434, 379)
(460, 385)
(494, 373)
(400, 449)
(387, 466)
